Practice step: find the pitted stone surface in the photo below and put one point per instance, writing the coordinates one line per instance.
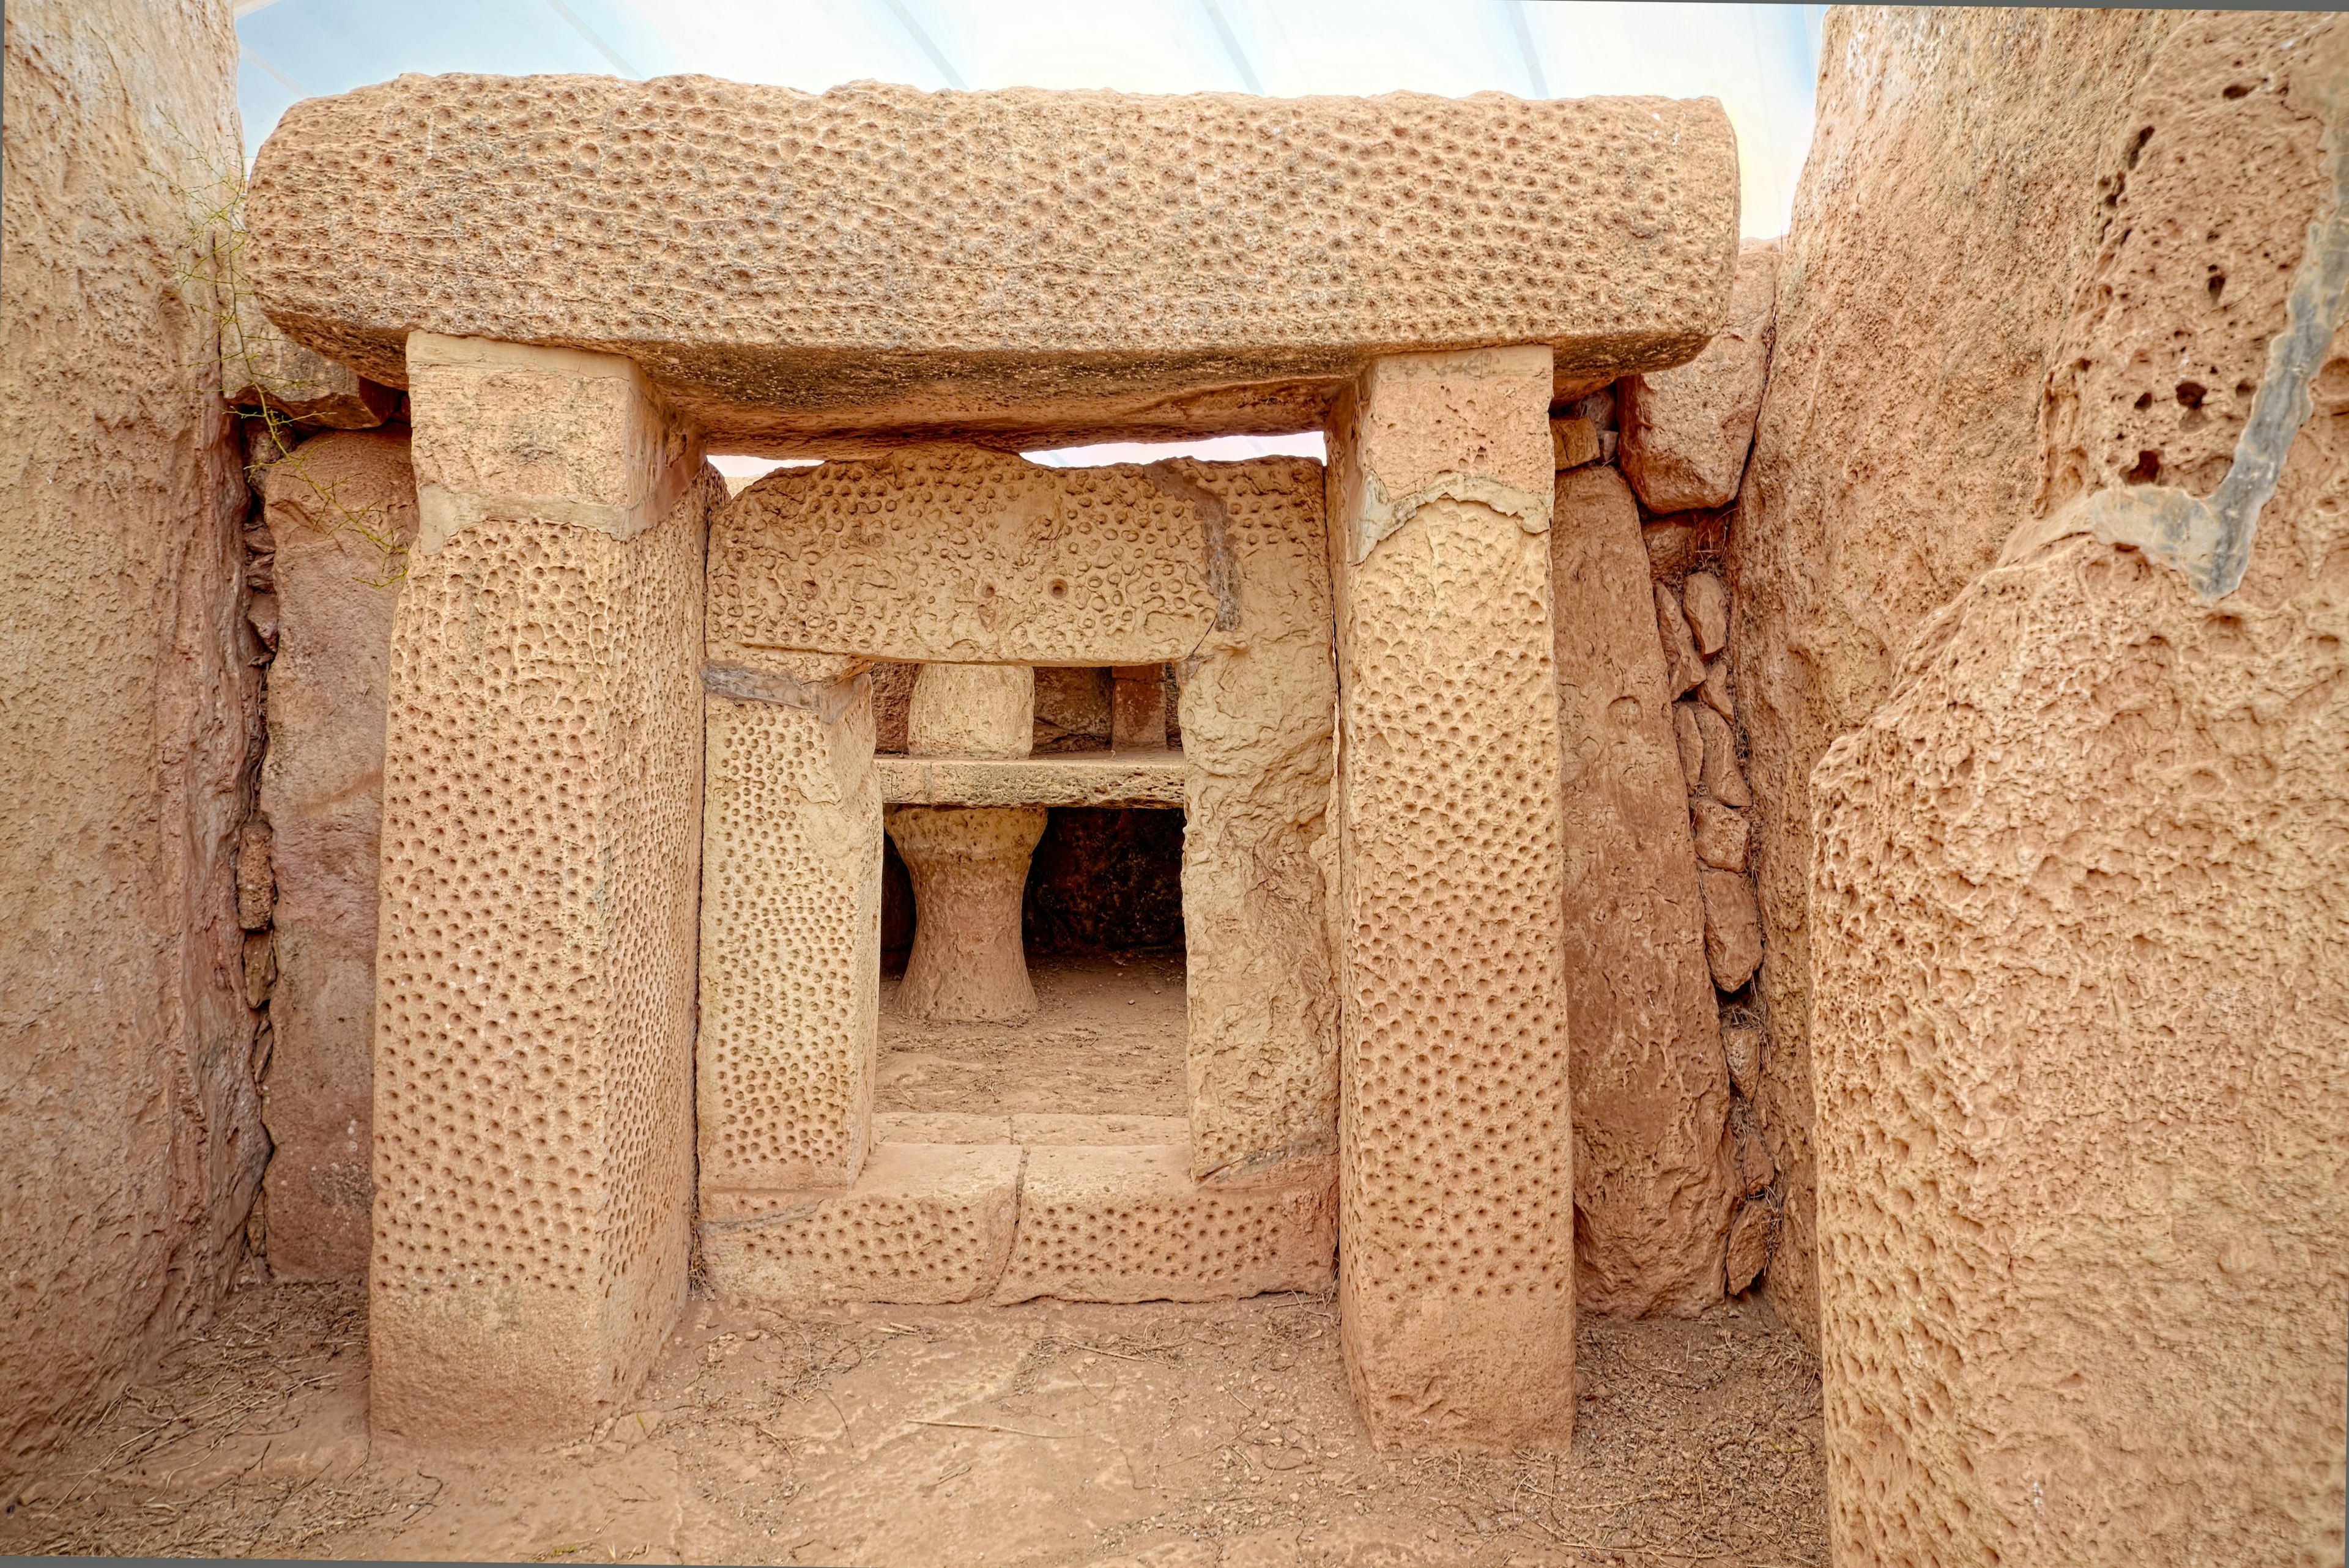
(791, 945)
(536, 972)
(1456, 1178)
(960, 556)
(924, 1222)
(1106, 1224)
(1910, 380)
(1256, 759)
(2077, 1007)
(1082, 263)
(2078, 1032)
(1652, 1186)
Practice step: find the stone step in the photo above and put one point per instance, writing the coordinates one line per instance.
(1061, 1216)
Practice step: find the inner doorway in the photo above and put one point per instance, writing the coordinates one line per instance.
(1102, 934)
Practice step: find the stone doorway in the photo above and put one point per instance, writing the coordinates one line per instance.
(981, 668)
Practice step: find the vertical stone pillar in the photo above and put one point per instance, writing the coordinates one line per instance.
(535, 961)
(1455, 1144)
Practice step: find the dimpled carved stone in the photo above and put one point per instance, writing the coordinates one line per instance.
(956, 555)
(1081, 264)
(533, 1116)
(924, 1222)
(1105, 1224)
(1456, 1179)
(969, 868)
(1652, 1185)
(791, 932)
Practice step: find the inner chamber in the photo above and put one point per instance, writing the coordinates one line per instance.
(1100, 932)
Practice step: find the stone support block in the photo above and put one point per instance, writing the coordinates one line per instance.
(1138, 708)
(970, 869)
(1456, 1275)
(972, 710)
(1109, 1224)
(541, 841)
(1686, 430)
(1259, 846)
(1652, 1187)
(261, 367)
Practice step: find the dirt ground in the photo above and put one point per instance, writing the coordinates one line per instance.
(1215, 1436)
(1106, 1040)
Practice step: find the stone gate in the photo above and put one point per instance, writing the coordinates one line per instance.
(629, 758)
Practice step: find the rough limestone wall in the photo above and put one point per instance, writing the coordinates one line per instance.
(1257, 699)
(322, 800)
(2079, 1006)
(131, 1141)
(1954, 193)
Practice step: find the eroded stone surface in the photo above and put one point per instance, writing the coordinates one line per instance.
(1686, 430)
(1107, 1223)
(2094, 808)
(1898, 440)
(1719, 834)
(1732, 928)
(1456, 1181)
(2110, 1235)
(535, 960)
(133, 1143)
(801, 303)
(1651, 1091)
(322, 789)
(962, 556)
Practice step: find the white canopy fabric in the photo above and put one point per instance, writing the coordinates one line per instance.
(1760, 61)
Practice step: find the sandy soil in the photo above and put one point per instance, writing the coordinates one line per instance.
(1177, 1437)
(1107, 1038)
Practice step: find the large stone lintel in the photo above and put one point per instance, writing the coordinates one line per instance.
(1075, 266)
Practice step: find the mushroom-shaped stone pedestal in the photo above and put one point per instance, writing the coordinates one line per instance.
(970, 869)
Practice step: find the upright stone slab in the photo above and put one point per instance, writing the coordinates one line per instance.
(1652, 1175)
(334, 512)
(536, 962)
(791, 927)
(1456, 1260)
(1257, 844)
